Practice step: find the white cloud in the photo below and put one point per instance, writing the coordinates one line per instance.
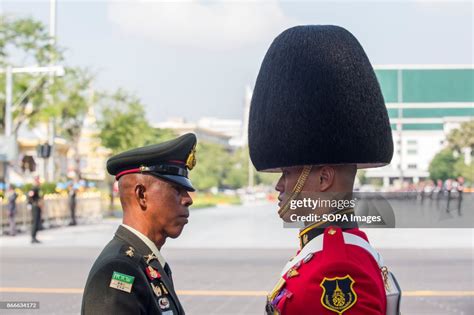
(214, 25)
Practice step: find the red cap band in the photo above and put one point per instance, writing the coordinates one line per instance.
(133, 170)
(177, 162)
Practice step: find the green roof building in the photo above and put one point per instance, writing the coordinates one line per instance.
(424, 103)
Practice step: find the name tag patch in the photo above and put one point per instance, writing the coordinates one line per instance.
(122, 282)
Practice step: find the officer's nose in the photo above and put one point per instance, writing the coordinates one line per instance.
(187, 200)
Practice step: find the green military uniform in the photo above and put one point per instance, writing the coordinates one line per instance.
(127, 278)
(130, 276)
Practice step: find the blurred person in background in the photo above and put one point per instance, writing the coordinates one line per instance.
(438, 191)
(448, 187)
(11, 207)
(34, 198)
(460, 191)
(72, 196)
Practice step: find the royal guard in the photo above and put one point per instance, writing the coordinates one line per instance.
(317, 115)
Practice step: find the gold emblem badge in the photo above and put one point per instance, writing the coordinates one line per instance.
(144, 168)
(130, 252)
(156, 290)
(292, 273)
(164, 288)
(338, 294)
(191, 160)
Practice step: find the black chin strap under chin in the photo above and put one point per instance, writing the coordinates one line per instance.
(296, 190)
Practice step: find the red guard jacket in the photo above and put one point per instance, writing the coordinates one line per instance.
(341, 278)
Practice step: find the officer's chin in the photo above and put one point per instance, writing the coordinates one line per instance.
(176, 231)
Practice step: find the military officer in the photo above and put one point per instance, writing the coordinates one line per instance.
(317, 115)
(131, 276)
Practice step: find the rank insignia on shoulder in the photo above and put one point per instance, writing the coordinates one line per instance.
(164, 303)
(152, 273)
(122, 282)
(130, 251)
(338, 294)
(292, 273)
(157, 290)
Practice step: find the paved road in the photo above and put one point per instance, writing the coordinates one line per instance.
(224, 264)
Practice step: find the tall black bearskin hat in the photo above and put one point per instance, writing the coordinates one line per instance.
(317, 101)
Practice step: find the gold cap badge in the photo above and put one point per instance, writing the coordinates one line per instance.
(191, 160)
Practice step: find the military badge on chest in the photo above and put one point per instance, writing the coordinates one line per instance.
(152, 273)
(164, 303)
(277, 297)
(157, 289)
(338, 294)
(157, 284)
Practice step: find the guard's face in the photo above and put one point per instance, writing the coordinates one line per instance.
(169, 203)
(289, 178)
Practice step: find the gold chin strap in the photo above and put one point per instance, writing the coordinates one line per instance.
(296, 190)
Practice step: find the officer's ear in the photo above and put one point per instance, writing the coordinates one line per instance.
(140, 195)
(326, 177)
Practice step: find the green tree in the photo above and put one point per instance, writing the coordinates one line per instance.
(459, 140)
(463, 137)
(443, 165)
(72, 98)
(25, 42)
(361, 175)
(465, 170)
(236, 172)
(123, 124)
(267, 179)
(212, 162)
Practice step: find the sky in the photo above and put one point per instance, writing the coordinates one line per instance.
(194, 59)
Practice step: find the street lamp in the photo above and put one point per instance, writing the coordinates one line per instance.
(56, 70)
(9, 71)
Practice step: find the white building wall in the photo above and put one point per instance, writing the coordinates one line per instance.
(417, 149)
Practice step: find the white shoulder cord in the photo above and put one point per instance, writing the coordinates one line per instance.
(316, 245)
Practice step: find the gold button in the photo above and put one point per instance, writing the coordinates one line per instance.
(332, 231)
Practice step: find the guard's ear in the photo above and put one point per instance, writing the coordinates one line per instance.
(327, 175)
(141, 195)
